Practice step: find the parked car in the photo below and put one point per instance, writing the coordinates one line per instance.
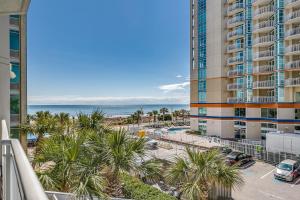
(223, 150)
(150, 143)
(287, 170)
(238, 158)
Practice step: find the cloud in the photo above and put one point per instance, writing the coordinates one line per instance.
(179, 76)
(174, 87)
(79, 100)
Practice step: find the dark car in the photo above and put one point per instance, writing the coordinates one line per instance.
(223, 150)
(238, 158)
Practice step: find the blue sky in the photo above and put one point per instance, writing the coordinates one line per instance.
(108, 52)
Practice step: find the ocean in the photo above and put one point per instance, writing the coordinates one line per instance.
(108, 110)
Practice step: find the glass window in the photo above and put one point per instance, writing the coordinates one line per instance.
(15, 104)
(240, 112)
(15, 73)
(269, 113)
(202, 111)
(14, 40)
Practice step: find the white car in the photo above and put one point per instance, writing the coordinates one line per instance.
(150, 143)
(287, 170)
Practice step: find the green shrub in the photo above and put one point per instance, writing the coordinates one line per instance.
(137, 190)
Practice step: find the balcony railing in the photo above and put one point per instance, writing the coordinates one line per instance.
(15, 54)
(293, 65)
(264, 24)
(235, 33)
(263, 10)
(293, 48)
(263, 84)
(232, 73)
(235, 100)
(290, 3)
(234, 60)
(14, 22)
(19, 181)
(235, 86)
(263, 69)
(293, 15)
(233, 47)
(292, 82)
(263, 55)
(234, 7)
(235, 20)
(292, 32)
(259, 2)
(263, 99)
(263, 39)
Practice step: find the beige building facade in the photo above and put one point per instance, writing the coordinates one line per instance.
(245, 67)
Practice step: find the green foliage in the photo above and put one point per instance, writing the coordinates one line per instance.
(135, 189)
(166, 117)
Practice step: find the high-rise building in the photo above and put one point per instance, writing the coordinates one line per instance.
(245, 67)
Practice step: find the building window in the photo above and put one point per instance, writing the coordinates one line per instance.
(15, 73)
(269, 113)
(15, 104)
(14, 40)
(240, 112)
(202, 111)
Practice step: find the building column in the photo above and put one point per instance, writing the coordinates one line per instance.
(4, 70)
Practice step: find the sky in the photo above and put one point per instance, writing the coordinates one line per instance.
(108, 52)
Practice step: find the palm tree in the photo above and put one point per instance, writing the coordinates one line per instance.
(93, 121)
(64, 121)
(164, 111)
(200, 172)
(176, 114)
(155, 113)
(150, 114)
(184, 113)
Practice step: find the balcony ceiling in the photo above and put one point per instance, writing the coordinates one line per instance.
(13, 6)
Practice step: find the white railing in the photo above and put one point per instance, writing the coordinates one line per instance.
(287, 2)
(235, 20)
(293, 65)
(234, 47)
(235, 59)
(292, 82)
(293, 48)
(234, 7)
(263, 99)
(263, 69)
(235, 100)
(263, 10)
(235, 86)
(292, 31)
(19, 181)
(234, 33)
(292, 15)
(257, 2)
(263, 84)
(263, 54)
(264, 39)
(264, 24)
(235, 73)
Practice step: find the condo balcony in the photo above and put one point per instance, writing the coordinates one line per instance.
(263, 12)
(235, 8)
(260, 2)
(263, 55)
(293, 65)
(234, 86)
(235, 73)
(263, 27)
(235, 34)
(264, 69)
(235, 100)
(264, 41)
(292, 3)
(234, 48)
(292, 82)
(263, 99)
(293, 33)
(293, 49)
(14, 23)
(264, 84)
(235, 60)
(293, 17)
(235, 21)
(14, 55)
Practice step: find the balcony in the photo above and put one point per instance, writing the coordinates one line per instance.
(235, 100)
(263, 27)
(263, 99)
(19, 181)
(292, 3)
(263, 12)
(293, 65)
(293, 17)
(269, 84)
(235, 60)
(234, 86)
(235, 8)
(235, 34)
(235, 21)
(293, 49)
(293, 33)
(263, 55)
(14, 23)
(235, 73)
(260, 2)
(292, 82)
(264, 41)
(14, 55)
(264, 69)
(234, 48)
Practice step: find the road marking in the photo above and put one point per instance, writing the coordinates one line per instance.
(271, 195)
(298, 181)
(267, 174)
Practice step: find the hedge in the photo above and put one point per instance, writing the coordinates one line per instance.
(137, 190)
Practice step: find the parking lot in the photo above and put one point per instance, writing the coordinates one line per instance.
(261, 185)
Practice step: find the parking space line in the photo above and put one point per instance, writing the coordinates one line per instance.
(271, 195)
(298, 181)
(267, 174)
